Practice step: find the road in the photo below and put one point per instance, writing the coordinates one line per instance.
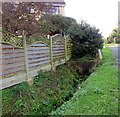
(116, 52)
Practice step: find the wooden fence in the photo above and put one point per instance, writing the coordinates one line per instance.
(22, 60)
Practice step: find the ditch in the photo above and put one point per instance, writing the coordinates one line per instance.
(50, 90)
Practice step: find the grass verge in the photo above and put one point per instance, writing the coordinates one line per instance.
(98, 95)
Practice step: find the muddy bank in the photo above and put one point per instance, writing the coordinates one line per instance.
(83, 68)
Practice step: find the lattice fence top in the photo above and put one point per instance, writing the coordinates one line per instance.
(58, 37)
(10, 38)
(37, 38)
(18, 41)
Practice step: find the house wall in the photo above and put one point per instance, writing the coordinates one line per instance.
(62, 10)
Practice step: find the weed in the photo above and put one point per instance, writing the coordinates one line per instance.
(19, 103)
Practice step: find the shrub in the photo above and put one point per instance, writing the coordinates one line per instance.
(86, 39)
(53, 24)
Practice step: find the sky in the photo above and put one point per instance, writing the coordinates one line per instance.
(103, 14)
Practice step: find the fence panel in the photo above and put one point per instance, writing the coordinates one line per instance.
(38, 55)
(58, 51)
(12, 60)
(22, 59)
(69, 47)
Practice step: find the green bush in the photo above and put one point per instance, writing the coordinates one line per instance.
(54, 24)
(86, 39)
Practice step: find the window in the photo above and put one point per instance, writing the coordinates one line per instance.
(56, 10)
(32, 11)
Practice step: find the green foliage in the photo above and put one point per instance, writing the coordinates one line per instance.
(54, 24)
(19, 103)
(87, 58)
(104, 40)
(98, 94)
(86, 39)
(114, 36)
(49, 91)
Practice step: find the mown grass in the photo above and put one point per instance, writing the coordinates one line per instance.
(49, 91)
(98, 95)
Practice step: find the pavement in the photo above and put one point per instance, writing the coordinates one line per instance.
(116, 53)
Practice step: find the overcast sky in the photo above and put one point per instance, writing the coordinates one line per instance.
(102, 14)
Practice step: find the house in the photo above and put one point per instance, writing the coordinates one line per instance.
(30, 11)
(59, 5)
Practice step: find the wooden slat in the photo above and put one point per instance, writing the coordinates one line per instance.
(39, 45)
(56, 63)
(37, 48)
(55, 54)
(11, 56)
(13, 65)
(58, 46)
(61, 51)
(10, 61)
(12, 71)
(38, 52)
(57, 49)
(38, 60)
(58, 43)
(7, 82)
(34, 70)
(6, 46)
(58, 57)
(38, 64)
(12, 51)
(37, 56)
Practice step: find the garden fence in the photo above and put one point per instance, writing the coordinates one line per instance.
(21, 58)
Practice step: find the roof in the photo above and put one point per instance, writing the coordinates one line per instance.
(48, 1)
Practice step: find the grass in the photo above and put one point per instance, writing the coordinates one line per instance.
(49, 91)
(98, 95)
(111, 44)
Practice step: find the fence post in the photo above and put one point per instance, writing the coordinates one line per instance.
(28, 79)
(51, 53)
(1, 58)
(65, 48)
(100, 54)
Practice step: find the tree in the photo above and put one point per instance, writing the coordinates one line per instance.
(86, 39)
(23, 16)
(114, 36)
(53, 24)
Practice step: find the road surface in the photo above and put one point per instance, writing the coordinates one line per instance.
(116, 52)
